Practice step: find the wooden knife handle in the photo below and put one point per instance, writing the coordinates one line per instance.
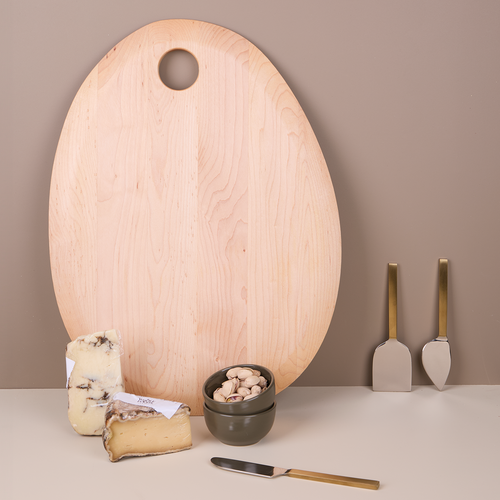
(329, 478)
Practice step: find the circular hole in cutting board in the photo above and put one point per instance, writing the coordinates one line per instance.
(178, 69)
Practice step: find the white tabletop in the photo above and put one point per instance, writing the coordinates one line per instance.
(423, 444)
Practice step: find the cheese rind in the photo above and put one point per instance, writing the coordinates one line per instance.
(94, 379)
(134, 431)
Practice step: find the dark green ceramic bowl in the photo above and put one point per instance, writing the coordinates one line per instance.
(239, 430)
(260, 403)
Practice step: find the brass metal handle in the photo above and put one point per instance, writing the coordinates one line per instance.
(329, 478)
(443, 297)
(393, 300)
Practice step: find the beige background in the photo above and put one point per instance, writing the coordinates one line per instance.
(404, 97)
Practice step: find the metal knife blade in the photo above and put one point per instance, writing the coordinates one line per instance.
(248, 467)
(436, 358)
(269, 471)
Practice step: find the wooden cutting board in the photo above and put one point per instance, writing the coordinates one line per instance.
(201, 223)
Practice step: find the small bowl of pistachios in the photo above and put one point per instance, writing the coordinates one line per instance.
(243, 389)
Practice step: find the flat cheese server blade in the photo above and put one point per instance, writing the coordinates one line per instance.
(436, 354)
(269, 471)
(392, 359)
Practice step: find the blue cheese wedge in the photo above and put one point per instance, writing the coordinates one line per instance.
(94, 376)
(136, 430)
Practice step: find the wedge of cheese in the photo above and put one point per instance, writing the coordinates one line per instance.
(133, 430)
(94, 377)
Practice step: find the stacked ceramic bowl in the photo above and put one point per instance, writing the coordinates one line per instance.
(239, 423)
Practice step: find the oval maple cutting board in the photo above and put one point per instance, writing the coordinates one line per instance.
(202, 223)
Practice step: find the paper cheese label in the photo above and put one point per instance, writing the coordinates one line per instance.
(167, 408)
(70, 364)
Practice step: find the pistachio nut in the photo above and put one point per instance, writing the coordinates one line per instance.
(219, 397)
(250, 381)
(256, 389)
(234, 397)
(244, 391)
(233, 372)
(228, 387)
(244, 374)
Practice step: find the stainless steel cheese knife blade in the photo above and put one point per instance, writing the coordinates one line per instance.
(269, 471)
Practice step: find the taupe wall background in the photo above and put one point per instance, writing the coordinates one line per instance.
(404, 97)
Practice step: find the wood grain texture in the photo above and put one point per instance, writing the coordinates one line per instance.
(201, 223)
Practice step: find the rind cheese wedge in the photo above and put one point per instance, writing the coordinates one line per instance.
(95, 377)
(132, 430)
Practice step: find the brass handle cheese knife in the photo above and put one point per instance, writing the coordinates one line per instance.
(436, 354)
(269, 471)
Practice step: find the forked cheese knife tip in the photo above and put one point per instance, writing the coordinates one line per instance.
(269, 471)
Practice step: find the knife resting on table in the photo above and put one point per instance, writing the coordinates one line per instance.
(270, 472)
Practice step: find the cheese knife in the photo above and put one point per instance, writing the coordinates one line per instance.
(269, 471)
(436, 354)
(392, 360)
